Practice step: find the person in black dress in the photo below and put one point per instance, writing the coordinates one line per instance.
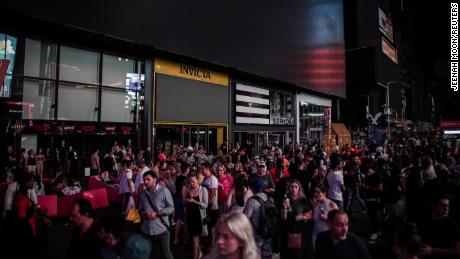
(196, 202)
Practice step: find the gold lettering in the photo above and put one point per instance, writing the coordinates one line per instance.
(194, 71)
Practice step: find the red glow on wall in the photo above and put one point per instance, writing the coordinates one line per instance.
(325, 69)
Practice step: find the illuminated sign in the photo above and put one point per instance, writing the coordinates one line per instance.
(389, 50)
(281, 121)
(190, 72)
(385, 25)
(450, 124)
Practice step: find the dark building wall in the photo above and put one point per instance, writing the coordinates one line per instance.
(368, 76)
(268, 38)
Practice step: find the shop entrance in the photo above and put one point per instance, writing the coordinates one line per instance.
(261, 139)
(169, 137)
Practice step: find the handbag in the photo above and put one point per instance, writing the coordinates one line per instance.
(294, 240)
(133, 216)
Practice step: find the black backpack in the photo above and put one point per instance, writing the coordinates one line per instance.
(268, 219)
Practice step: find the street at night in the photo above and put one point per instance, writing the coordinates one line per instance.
(320, 129)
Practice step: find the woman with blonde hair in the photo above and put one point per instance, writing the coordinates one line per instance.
(234, 238)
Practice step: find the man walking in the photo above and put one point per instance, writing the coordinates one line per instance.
(155, 205)
(338, 242)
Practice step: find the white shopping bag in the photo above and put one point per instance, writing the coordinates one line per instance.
(87, 171)
(130, 204)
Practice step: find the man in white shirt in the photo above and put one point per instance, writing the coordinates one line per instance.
(211, 183)
(126, 184)
(336, 184)
(139, 183)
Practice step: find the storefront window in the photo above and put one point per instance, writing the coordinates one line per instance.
(40, 59)
(281, 109)
(116, 70)
(77, 65)
(117, 106)
(38, 98)
(311, 122)
(168, 137)
(77, 102)
(280, 104)
(7, 61)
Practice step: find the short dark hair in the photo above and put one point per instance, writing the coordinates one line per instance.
(322, 188)
(151, 173)
(333, 213)
(112, 224)
(439, 196)
(85, 207)
(207, 165)
(184, 166)
(129, 163)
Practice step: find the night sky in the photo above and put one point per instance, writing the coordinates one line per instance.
(267, 38)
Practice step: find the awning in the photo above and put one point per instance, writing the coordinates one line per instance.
(339, 135)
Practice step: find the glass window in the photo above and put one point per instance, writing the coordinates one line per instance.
(77, 65)
(40, 59)
(280, 105)
(311, 118)
(116, 71)
(7, 60)
(38, 99)
(77, 102)
(117, 106)
(167, 138)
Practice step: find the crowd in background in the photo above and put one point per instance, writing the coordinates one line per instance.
(293, 202)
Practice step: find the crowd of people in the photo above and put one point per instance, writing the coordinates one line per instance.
(291, 202)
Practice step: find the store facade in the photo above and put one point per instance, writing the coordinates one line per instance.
(191, 107)
(262, 117)
(313, 118)
(68, 98)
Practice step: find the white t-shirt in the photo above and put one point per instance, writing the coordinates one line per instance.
(335, 180)
(125, 176)
(212, 183)
(140, 177)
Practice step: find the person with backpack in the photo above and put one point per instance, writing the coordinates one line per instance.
(297, 214)
(261, 174)
(263, 214)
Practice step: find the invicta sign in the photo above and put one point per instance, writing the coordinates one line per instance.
(194, 71)
(190, 72)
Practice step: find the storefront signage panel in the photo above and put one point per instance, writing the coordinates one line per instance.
(190, 72)
(281, 121)
(385, 25)
(254, 105)
(389, 50)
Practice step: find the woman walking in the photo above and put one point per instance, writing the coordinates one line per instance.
(196, 204)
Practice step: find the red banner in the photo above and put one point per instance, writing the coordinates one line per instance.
(126, 129)
(4, 63)
(450, 124)
(88, 128)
